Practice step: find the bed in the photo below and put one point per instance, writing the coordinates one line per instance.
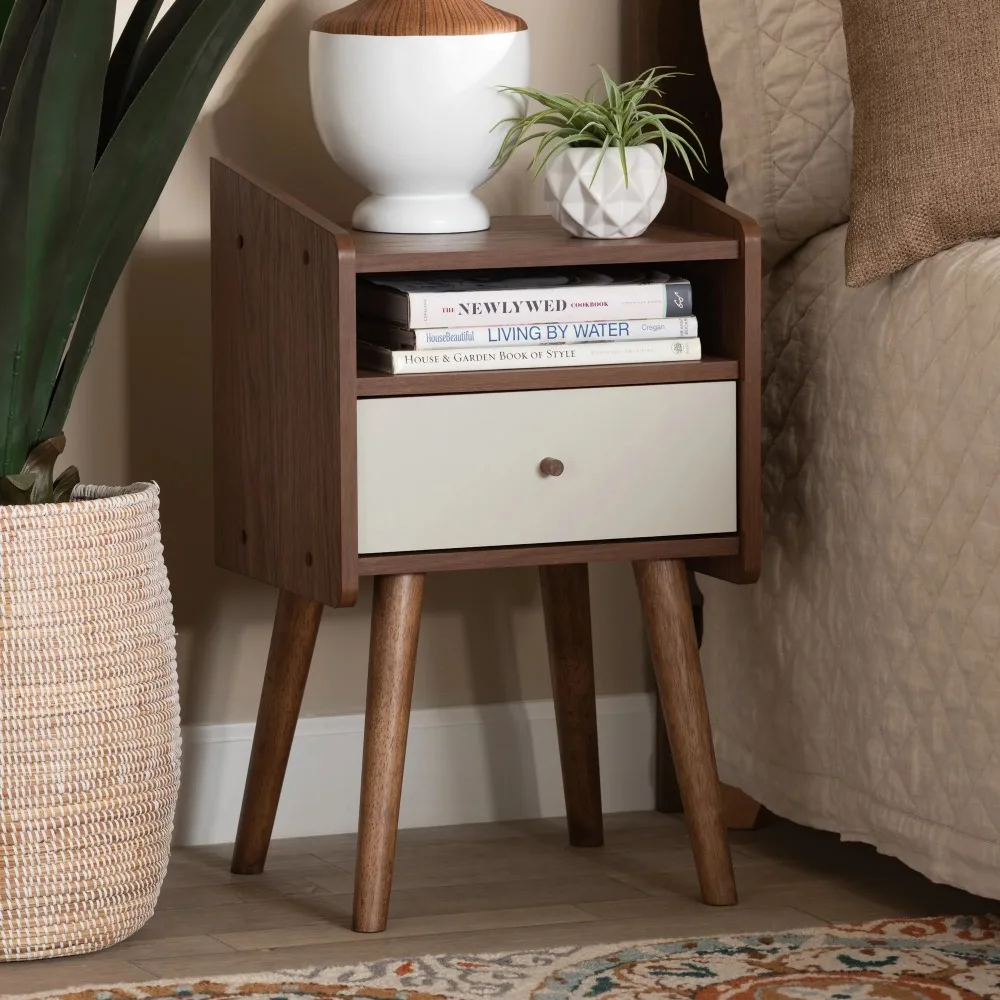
(856, 687)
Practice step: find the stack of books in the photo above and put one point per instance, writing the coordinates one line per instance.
(477, 321)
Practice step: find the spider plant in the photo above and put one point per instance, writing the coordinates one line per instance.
(626, 117)
(88, 137)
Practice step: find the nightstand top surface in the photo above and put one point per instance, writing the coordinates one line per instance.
(531, 241)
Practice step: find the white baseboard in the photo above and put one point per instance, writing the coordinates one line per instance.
(463, 765)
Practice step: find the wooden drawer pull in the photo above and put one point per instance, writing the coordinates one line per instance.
(551, 467)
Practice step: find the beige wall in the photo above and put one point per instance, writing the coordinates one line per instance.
(143, 410)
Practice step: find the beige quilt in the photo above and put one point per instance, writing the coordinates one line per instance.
(857, 686)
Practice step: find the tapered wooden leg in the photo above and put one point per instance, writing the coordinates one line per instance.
(739, 811)
(392, 659)
(666, 607)
(293, 640)
(566, 600)
(668, 795)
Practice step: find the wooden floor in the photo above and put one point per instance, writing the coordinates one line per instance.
(492, 888)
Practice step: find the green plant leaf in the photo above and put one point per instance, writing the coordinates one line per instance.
(6, 6)
(670, 116)
(128, 181)
(624, 157)
(122, 67)
(545, 154)
(62, 150)
(62, 488)
(16, 144)
(15, 491)
(41, 466)
(561, 103)
(585, 128)
(656, 108)
(678, 147)
(610, 87)
(624, 118)
(157, 45)
(600, 160)
(19, 26)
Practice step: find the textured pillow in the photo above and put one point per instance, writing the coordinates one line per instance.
(926, 81)
(781, 71)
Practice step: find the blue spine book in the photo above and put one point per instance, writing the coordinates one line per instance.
(618, 331)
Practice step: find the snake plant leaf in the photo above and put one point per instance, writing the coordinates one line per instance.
(19, 25)
(45, 455)
(16, 142)
(6, 6)
(121, 68)
(16, 490)
(41, 466)
(158, 43)
(127, 183)
(41, 489)
(62, 164)
(62, 488)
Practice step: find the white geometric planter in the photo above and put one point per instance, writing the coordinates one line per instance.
(604, 207)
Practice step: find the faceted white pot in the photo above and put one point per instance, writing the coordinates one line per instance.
(604, 207)
(411, 118)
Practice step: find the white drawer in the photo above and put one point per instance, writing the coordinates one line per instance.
(462, 472)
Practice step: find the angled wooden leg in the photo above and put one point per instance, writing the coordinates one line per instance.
(566, 600)
(293, 640)
(666, 607)
(739, 811)
(392, 659)
(668, 795)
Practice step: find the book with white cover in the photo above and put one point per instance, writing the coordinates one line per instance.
(474, 298)
(384, 359)
(399, 338)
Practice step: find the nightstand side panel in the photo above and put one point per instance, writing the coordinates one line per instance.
(284, 391)
(735, 313)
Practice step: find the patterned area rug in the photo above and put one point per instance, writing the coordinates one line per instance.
(948, 958)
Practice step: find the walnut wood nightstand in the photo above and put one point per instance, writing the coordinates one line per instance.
(324, 474)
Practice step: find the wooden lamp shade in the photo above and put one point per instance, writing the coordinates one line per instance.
(419, 17)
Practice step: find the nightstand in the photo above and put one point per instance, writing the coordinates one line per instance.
(324, 475)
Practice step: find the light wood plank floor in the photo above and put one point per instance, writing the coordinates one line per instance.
(495, 887)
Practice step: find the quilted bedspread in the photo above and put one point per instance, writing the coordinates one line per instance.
(857, 686)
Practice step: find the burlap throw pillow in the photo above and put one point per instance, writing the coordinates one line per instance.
(925, 76)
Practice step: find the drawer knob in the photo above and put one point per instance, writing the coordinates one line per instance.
(551, 467)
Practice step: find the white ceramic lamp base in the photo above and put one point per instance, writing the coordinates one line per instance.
(455, 213)
(412, 118)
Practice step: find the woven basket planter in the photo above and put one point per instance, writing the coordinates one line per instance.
(89, 721)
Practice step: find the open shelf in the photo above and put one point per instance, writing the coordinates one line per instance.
(589, 377)
(531, 241)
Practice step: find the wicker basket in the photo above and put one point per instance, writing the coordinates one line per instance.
(89, 721)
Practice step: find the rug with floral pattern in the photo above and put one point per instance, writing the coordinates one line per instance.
(946, 958)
